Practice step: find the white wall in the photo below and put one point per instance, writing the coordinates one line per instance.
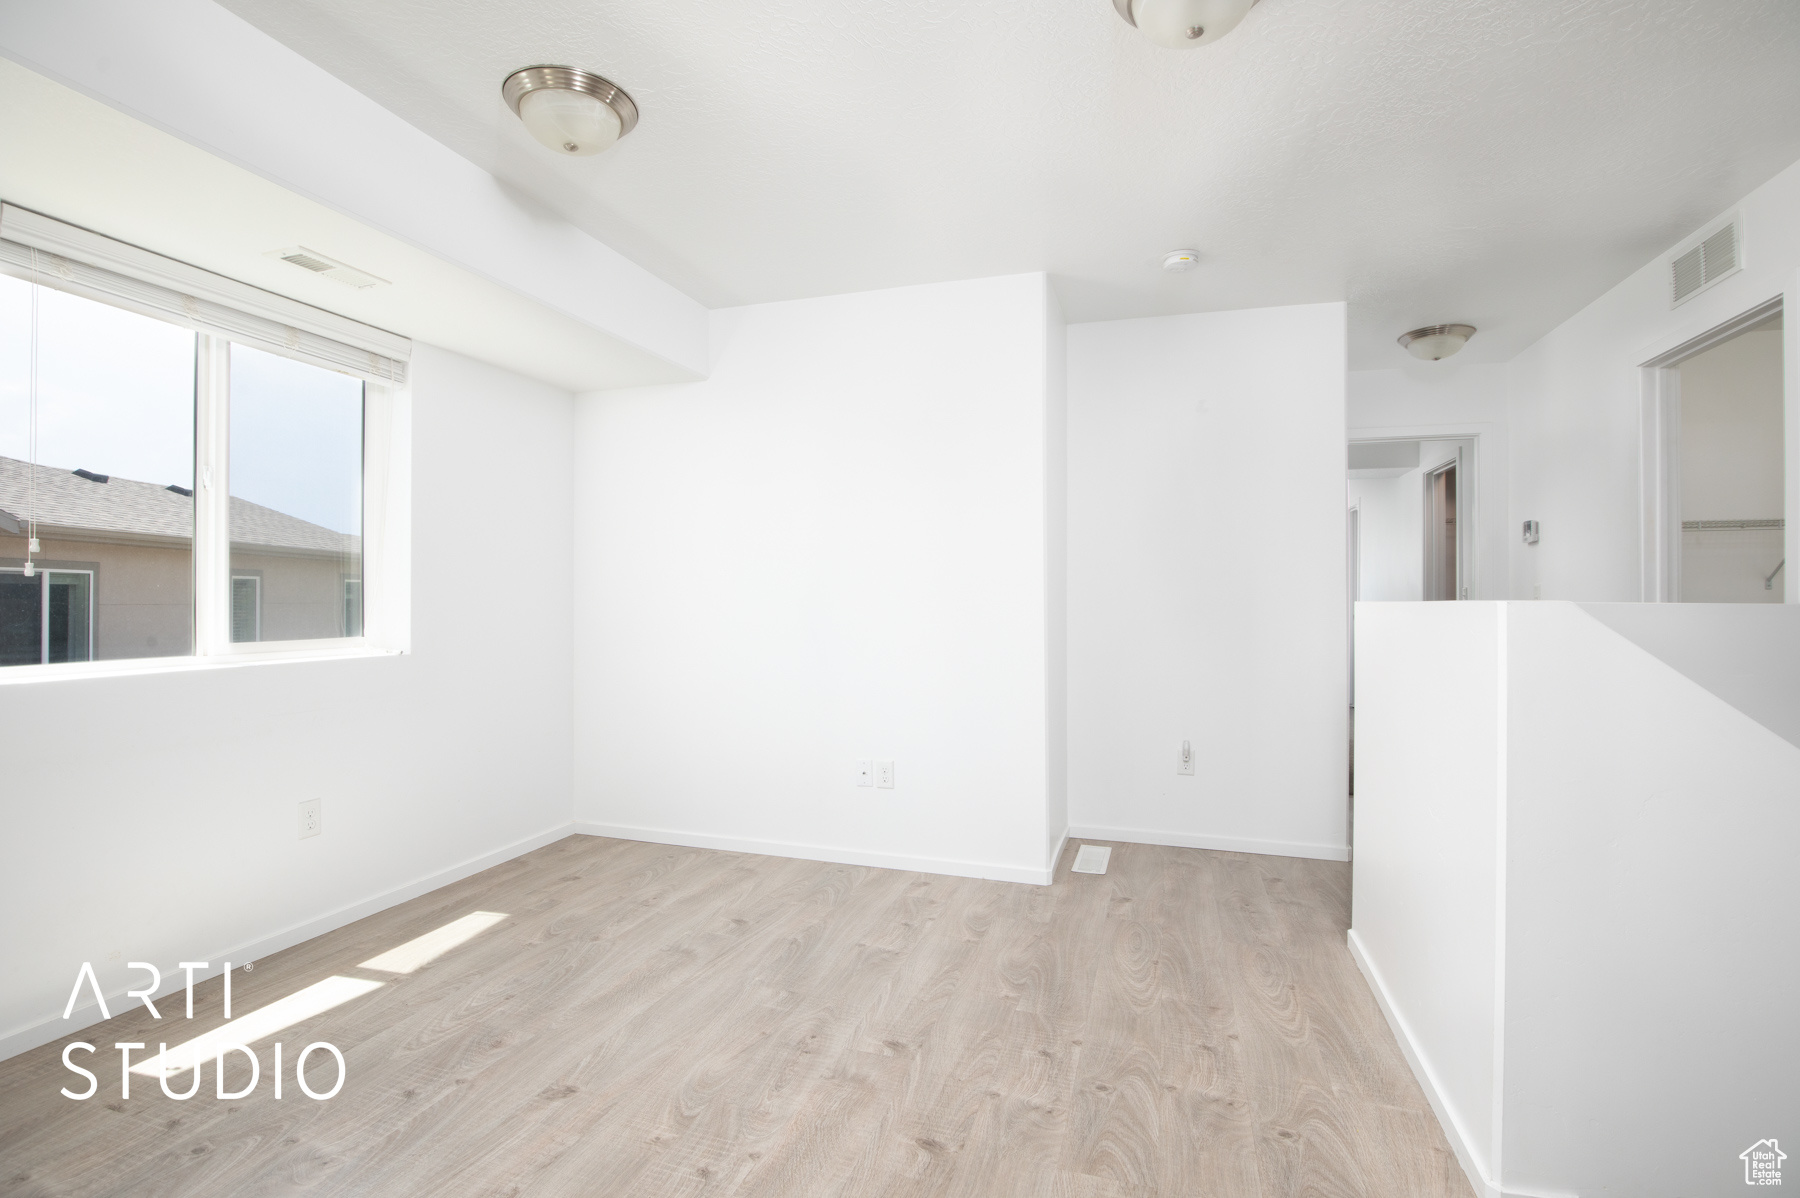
(1429, 776)
(835, 548)
(1653, 902)
(1731, 430)
(1646, 889)
(1747, 656)
(1575, 407)
(1417, 397)
(1056, 579)
(1389, 536)
(1206, 580)
(154, 817)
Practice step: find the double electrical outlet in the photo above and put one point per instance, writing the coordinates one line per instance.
(310, 821)
(875, 773)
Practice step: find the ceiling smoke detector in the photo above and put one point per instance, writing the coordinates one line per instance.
(1177, 261)
(1436, 341)
(568, 110)
(1181, 24)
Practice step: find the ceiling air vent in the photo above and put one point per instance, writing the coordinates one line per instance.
(329, 268)
(1710, 259)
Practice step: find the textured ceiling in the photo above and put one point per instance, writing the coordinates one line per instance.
(1500, 162)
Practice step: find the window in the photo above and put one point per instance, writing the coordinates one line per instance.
(246, 608)
(353, 613)
(105, 472)
(185, 461)
(296, 495)
(46, 618)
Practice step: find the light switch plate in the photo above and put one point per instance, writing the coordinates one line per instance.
(884, 774)
(309, 818)
(865, 773)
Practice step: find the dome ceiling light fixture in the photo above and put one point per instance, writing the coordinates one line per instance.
(1182, 24)
(1436, 341)
(570, 111)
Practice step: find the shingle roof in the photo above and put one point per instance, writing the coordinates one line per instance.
(65, 500)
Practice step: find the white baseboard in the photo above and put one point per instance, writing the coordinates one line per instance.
(1036, 876)
(1230, 844)
(54, 1027)
(1062, 843)
(1453, 1130)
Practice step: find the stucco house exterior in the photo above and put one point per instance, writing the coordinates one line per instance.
(116, 571)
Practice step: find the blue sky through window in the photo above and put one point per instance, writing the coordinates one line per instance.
(115, 389)
(116, 396)
(296, 438)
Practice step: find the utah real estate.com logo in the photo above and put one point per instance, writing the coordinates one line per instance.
(1762, 1163)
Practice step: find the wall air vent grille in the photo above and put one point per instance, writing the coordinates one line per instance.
(1690, 273)
(1719, 253)
(311, 263)
(330, 268)
(1710, 259)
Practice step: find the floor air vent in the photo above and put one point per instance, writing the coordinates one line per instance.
(1091, 859)
(1710, 259)
(330, 268)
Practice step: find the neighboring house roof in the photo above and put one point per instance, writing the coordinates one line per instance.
(66, 501)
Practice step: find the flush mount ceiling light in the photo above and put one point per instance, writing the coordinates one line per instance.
(1180, 260)
(1436, 341)
(1179, 24)
(569, 110)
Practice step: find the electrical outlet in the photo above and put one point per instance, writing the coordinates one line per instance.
(865, 773)
(309, 818)
(884, 774)
(1185, 763)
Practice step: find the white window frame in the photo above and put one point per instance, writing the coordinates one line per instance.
(223, 312)
(212, 513)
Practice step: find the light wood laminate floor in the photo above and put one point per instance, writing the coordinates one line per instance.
(653, 1021)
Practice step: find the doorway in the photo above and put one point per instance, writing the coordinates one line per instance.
(1443, 555)
(1415, 518)
(1715, 527)
(1354, 559)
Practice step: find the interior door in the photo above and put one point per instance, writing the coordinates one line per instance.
(1442, 552)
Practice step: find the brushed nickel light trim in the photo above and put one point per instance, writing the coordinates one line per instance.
(571, 79)
(1461, 331)
(1123, 8)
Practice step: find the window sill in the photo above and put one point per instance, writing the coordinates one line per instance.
(135, 666)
